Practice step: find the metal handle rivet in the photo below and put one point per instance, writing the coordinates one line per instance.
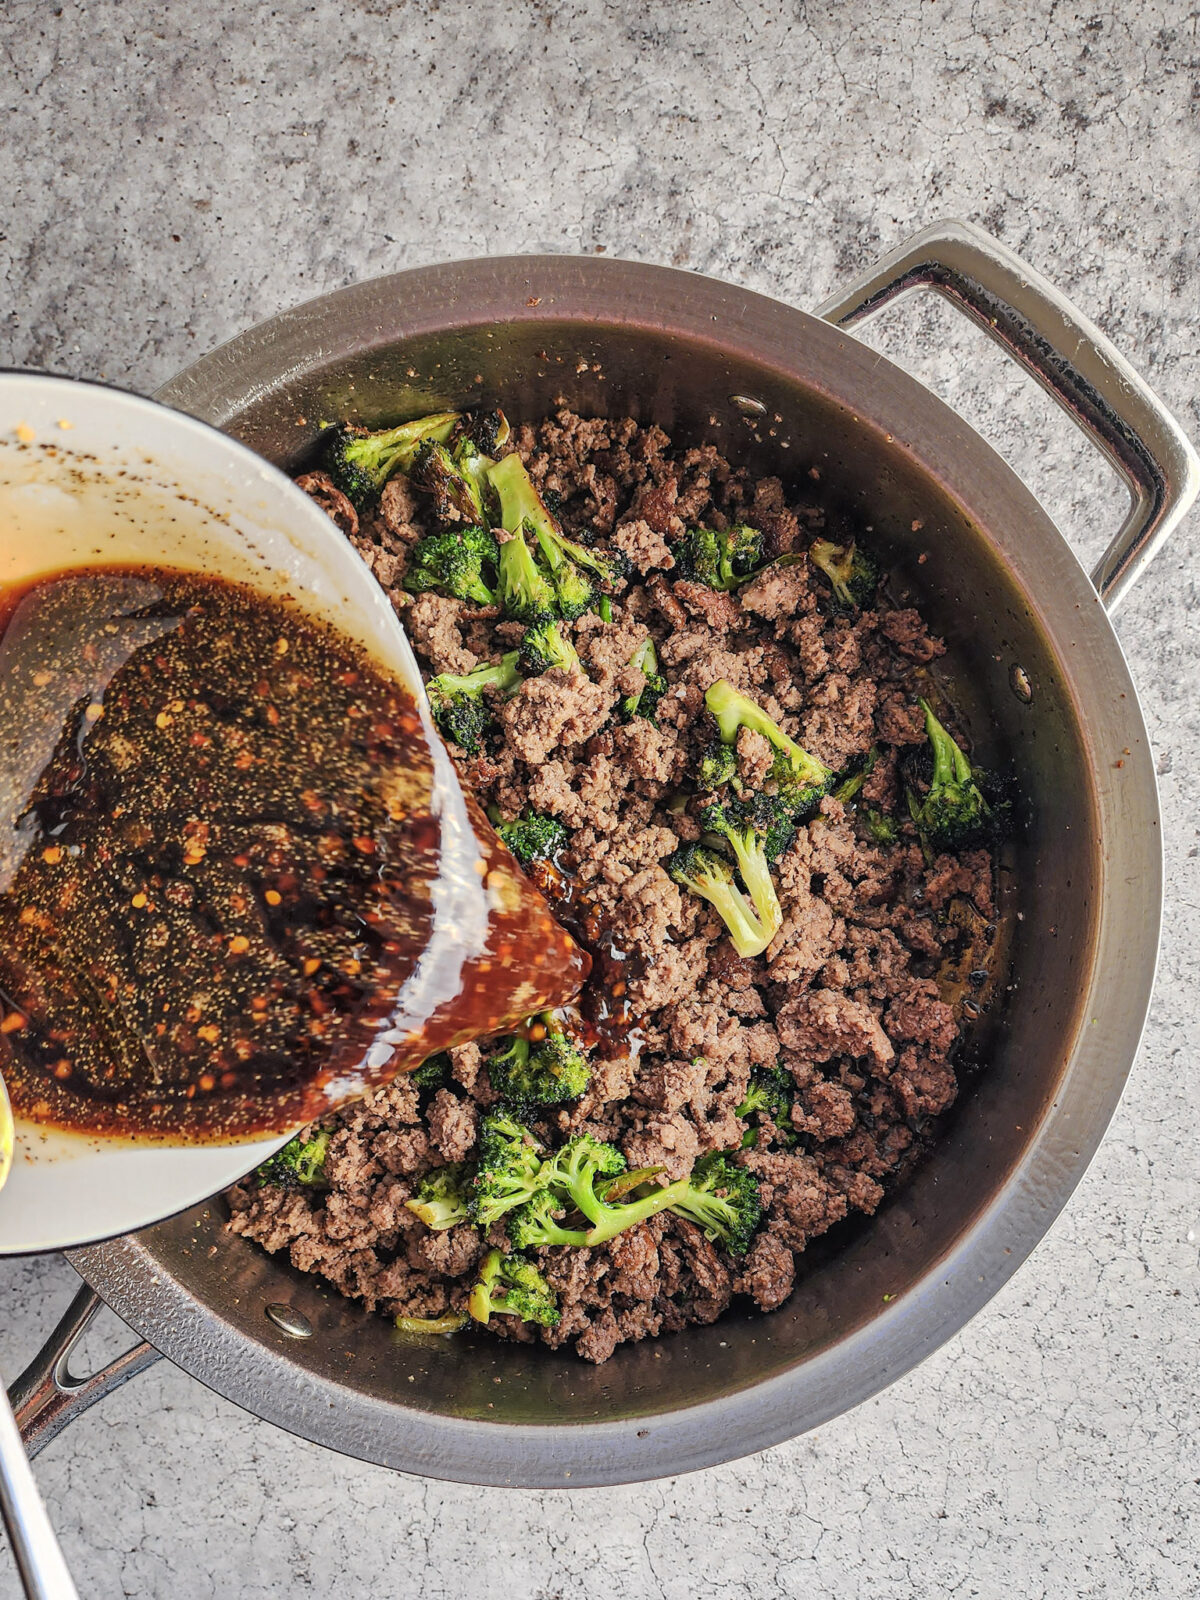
(1019, 683)
(290, 1321)
(747, 405)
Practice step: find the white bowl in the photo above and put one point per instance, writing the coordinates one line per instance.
(90, 475)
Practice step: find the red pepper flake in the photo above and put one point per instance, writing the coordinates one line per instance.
(12, 1023)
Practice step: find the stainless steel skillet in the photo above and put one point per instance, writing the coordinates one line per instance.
(1028, 633)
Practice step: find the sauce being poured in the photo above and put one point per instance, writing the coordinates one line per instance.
(223, 867)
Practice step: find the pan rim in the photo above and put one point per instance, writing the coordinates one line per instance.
(1117, 991)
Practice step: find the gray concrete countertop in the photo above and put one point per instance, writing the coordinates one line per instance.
(175, 173)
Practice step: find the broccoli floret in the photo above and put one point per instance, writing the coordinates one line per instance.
(522, 507)
(545, 1068)
(853, 574)
(441, 1197)
(711, 877)
(488, 431)
(511, 1286)
(768, 815)
(458, 705)
(433, 1073)
(724, 1200)
(461, 562)
(954, 813)
(360, 463)
(645, 702)
(578, 1171)
(543, 647)
(574, 589)
(749, 851)
(448, 476)
(801, 778)
(850, 787)
(717, 766)
(508, 1167)
(721, 559)
(300, 1164)
(525, 592)
(537, 1223)
(879, 827)
(559, 1063)
(533, 838)
(771, 1090)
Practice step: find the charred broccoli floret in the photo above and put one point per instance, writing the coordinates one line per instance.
(441, 1197)
(461, 562)
(433, 1073)
(721, 559)
(711, 877)
(546, 1067)
(954, 812)
(850, 787)
(525, 593)
(522, 507)
(772, 1091)
(853, 574)
(360, 463)
(718, 765)
(543, 647)
(881, 829)
(488, 431)
(458, 703)
(533, 838)
(645, 702)
(749, 851)
(299, 1164)
(511, 1286)
(723, 1199)
(508, 1167)
(448, 475)
(801, 778)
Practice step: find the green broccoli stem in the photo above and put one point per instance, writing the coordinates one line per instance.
(950, 765)
(608, 1221)
(733, 710)
(525, 594)
(756, 875)
(522, 507)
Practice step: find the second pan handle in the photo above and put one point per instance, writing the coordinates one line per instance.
(1069, 356)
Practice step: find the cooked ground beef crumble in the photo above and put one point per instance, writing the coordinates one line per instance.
(847, 996)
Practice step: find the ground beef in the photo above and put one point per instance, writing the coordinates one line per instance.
(849, 997)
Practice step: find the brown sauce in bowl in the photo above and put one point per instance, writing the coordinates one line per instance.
(222, 866)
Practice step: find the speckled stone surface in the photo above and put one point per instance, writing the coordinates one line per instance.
(175, 173)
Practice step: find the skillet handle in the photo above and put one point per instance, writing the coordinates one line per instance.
(1069, 356)
(48, 1395)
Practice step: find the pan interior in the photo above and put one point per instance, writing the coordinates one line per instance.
(696, 390)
